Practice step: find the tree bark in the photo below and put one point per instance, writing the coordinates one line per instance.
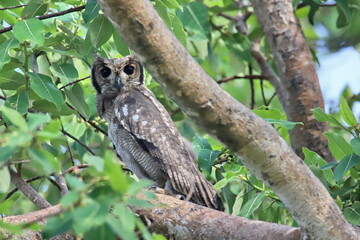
(260, 147)
(298, 87)
(177, 219)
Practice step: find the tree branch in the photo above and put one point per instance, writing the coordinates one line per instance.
(298, 86)
(73, 82)
(51, 15)
(178, 219)
(88, 121)
(227, 79)
(27, 190)
(258, 144)
(12, 7)
(78, 141)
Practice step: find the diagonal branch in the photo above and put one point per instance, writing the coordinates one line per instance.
(28, 191)
(78, 141)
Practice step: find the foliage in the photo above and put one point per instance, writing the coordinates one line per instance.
(49, 121)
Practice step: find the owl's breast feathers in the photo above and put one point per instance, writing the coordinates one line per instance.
(147, 120)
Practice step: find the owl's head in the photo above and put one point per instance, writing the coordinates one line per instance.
(113, 75)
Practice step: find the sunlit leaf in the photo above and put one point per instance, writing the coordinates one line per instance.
(30, 29)
(13, 117)
(346, 112)
(5, 179)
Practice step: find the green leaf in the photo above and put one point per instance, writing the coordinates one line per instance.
(4, 50)
(206, 158)
(344, 13)
(195, 18)
(43, 159)
(345, 165)
(269, 114)
(5, 180)
(66, 72)
(352, 213)
(338, 146)
(43, 86)
(11, 80)
(287, 124)
(30, 29)
(355, 144)
(95, 161)
(171, 3)
(117, 178)
(18, 102)
(100, 31)
(200, 143)
(58, 225)
(177, 28)
(121, 46)
(346, 112)
(323, 117)
(34, 8)
(88, 216)
(222, 183)
(77, 99)
(313, 159)
(37, 119)
(46, 106)
(13, 117)
(6, 153)
(250, 206)
(70, 198)
(92, 9)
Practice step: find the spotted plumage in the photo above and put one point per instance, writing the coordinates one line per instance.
(143, 134)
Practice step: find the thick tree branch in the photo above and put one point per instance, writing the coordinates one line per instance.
(28, 191)
(178, 219)
(258, 144)
(298, 90)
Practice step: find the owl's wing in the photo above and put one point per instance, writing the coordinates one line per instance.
(151, 125)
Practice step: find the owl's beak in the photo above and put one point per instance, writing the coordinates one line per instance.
(118, 84)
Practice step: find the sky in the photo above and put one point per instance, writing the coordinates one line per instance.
(336, 71)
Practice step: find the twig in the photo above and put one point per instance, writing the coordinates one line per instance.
(73, 82)
(252, 89)
(89, 122)
(272, 97)
(27, 190)
(78, 141)
(2, 98)
(51, 15)
(75, 168)
(227, 79)
(262, 91)
(68, 146)
(12, 7)
(54, 183)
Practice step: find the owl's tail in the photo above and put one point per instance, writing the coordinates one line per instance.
(204, 193)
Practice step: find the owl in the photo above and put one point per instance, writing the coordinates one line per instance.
(143, 134)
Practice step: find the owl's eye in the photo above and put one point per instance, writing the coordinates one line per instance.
(129, 69)
(105, 72)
